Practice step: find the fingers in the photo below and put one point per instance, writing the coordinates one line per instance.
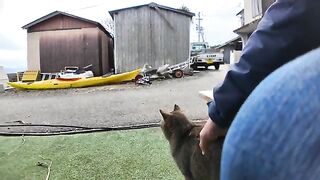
(207, 135)
(203, 143)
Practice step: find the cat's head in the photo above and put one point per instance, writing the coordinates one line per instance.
(174, 123)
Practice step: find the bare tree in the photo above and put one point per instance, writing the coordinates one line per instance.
(108, 24)
(184, 8)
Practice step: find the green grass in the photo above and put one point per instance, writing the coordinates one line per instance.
(134, 154)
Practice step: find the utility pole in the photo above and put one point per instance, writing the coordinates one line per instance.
(199, 28)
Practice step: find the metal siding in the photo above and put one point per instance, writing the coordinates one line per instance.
(144, 36)
(69, 48)
(91, 51)
(171, 44)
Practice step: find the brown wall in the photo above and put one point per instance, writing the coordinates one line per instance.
(66, 41)
(60, 22)
(111, 54)
(105, 66)
(74, 48)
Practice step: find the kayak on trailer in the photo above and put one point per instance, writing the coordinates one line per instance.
(77, 83)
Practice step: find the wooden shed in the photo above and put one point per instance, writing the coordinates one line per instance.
(152, 34)
(60, 39)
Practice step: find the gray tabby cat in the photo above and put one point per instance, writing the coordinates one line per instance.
(183, 137)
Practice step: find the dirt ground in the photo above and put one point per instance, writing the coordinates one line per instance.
(107, 106)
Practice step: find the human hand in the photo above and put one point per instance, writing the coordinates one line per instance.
(208, 134)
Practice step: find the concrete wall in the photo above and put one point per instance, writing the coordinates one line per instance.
(235, 56)
(3, 79)
(33, 48)
(146, 35)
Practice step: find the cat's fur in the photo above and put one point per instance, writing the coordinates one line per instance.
(183, 137)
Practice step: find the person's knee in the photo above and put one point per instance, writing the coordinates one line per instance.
(277, 119)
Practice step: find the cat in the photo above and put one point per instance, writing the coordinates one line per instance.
(183, 137)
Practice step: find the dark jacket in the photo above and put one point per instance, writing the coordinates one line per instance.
(288, 29)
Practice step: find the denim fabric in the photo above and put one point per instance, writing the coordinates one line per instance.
(287, 30)
(276, 133)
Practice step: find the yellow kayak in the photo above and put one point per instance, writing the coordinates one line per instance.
(83, 82)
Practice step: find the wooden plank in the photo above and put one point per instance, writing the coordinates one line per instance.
(207, 95)
(30, 76)
(60, 22)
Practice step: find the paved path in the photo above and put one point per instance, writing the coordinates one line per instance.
(107, 106)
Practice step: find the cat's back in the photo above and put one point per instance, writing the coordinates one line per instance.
(199, 167)
(207, 167)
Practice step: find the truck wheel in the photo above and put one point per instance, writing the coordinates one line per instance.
(217, 66)
(206, 66)
(178, 73)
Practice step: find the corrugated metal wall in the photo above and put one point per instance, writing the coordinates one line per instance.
(146, 35)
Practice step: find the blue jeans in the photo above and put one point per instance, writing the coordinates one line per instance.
(276, 133)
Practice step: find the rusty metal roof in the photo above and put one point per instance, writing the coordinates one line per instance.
(155, 5)
(55, 13)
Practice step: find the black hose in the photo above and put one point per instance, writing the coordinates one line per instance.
(81, 129)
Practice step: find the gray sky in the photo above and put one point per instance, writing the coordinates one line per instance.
(219, 20)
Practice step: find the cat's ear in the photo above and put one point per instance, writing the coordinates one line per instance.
(176, 108)
(164, 114)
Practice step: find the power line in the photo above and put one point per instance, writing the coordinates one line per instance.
(86, 7)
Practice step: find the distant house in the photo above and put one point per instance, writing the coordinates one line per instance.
(231, 50)
(60, 39)
(152, 34)
(250, 16)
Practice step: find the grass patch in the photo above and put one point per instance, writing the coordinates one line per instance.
(134, 154)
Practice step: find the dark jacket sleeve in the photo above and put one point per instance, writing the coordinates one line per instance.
(288, 29)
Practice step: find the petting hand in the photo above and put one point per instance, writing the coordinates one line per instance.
(209, 133)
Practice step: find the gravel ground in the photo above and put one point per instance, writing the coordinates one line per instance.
(107, 106)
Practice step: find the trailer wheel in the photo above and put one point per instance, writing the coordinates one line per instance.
(137, 78)
(178, 73)
(216, 66)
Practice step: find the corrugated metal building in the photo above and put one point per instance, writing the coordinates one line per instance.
(152, 34)
(228, 47)
(60, 39)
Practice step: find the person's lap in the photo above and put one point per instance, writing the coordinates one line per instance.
(276, 133)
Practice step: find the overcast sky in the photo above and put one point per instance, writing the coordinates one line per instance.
(219, 20)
